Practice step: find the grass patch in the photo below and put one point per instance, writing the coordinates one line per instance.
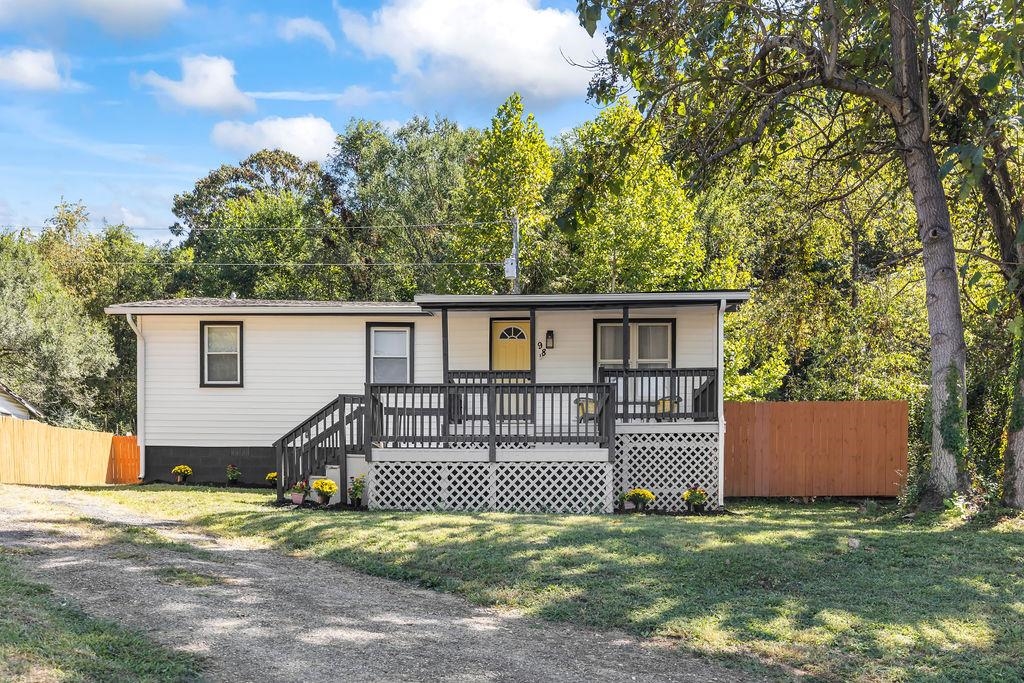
(43, 640)
(186, 577)
(934, 598)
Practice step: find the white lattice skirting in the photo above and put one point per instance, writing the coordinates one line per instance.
(666, 460)
(563, 487)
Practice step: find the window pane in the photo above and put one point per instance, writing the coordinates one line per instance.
(654, 341)
(609, 345)
(222, 367)
(222, 339)
(389, 342)
(390, 370)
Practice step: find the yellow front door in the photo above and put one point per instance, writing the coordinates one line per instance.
(510, 345)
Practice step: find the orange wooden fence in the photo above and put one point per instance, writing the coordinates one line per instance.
(36, 453)
(816, 448)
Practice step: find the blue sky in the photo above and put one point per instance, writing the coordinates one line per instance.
(123, 103)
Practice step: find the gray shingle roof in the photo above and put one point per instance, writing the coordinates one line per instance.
(216, 305)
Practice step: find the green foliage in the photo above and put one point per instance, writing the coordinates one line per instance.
(49, 348)
(635, 233)
(510, 171)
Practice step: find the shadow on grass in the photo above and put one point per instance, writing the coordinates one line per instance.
(927, 599)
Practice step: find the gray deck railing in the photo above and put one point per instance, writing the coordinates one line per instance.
(664, 394)
(490, 376)
(490, 415)
(325, 438)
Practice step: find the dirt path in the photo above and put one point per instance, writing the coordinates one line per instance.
(269, 616)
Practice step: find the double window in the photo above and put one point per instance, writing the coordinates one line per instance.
(389, 353)
(221, 354)
(650, 344)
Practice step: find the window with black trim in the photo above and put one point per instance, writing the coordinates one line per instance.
(221, 354)
(390, 354)
(650, 345)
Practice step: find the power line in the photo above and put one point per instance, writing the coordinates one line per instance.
(355, 264)
(384, 226)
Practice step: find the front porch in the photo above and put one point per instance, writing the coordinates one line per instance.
(494, 441)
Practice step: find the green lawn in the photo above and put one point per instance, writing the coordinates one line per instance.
(927, 599)
(42, 639)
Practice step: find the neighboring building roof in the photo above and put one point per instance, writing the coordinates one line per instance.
(227, 306)
(7, 395)
(423, 303)
(732, 298)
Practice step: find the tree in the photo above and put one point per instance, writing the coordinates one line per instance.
(511, 168)
(407, 184)
(636, 232)
(980, 120)
(724, 75)
(49, 348)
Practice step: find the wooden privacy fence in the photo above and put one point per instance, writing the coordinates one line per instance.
(35, 453)
(816, 448)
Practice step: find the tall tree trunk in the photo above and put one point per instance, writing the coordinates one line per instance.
(1013, 465)
(945, 322)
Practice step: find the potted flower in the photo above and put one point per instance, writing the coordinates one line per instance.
(640, 498)
(325, 488)
(355, 491)
(182, 472)
(271, 478)
(299, 491)
(234, 474)
(696, 498)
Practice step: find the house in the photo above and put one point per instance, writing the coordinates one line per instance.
(524, 402)
(12, 405)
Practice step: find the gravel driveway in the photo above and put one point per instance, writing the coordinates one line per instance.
(270, 616)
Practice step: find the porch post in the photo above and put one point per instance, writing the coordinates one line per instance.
(625, 364)
(444, 346)
(368, 413)
(720, 382)
(533, 344)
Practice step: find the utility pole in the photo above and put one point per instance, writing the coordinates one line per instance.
(515, 252)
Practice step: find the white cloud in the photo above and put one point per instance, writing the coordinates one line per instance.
(488, 48)
(307, 137)
(206, 83)
(32, 70)
(121, 17)
(304, 27)
(354, 96)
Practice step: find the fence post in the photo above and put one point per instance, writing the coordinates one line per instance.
(279, 450)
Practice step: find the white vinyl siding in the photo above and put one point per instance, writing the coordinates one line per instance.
(292, 366)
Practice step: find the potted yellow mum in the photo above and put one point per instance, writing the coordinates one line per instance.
(182, 472)
(325, 488)
(640, 498)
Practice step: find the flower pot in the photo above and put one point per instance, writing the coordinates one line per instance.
(298, 498)
(696, 507)
(232, 482)
(323, 498)
(182, 479)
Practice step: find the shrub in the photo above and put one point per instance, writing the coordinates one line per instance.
(695, 495)
(300, 487)
(182, 470)
(234, 474)
(355, 491)
(271, 477)
(641, 498)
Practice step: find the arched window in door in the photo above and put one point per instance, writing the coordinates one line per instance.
(512, 332)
